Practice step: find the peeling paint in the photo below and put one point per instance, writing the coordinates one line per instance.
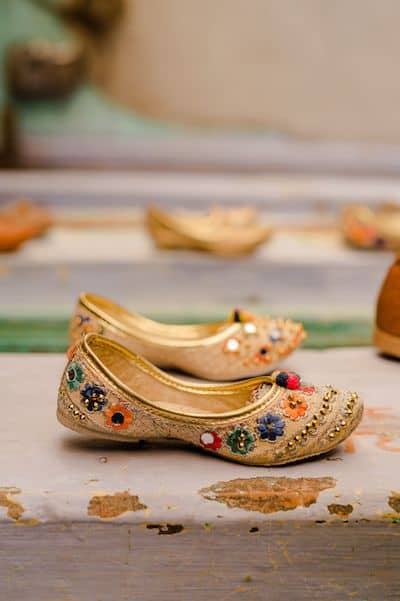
(111, 506)
(268, 494)
(341, 511)
(381, 423)
(394, 501)
(14, 509)
(31, 522)
(166, 528)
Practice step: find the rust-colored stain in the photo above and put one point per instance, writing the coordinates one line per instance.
(166, 528)
(341, 511)
(394, 501)
(381, 423)
(14, 509)
(268, 494)
(111, 506)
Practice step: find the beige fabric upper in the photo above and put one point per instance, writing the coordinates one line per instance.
(221, 351)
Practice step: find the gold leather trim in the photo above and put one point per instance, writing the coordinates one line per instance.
(203, 389)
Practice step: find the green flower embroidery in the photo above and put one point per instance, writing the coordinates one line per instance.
(240, 440)
(75, 375)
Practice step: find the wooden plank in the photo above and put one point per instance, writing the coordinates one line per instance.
(209, 528)
(300, 192)
(313, 275)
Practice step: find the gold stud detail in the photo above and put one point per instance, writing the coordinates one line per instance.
(331, 435)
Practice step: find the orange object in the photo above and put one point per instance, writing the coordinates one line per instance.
(20, 222)
(387, 324)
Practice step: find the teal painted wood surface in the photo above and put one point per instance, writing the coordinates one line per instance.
(30, 334)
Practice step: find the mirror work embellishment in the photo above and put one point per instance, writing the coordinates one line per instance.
(75, 375)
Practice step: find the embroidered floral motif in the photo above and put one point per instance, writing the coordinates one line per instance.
(240, 440)
(84, 324)
(74, 375)
(275, 335)
(93, 397)
(294, 406)
(118, 417)
(71, 350)
(263, 355)
(270, 426)
(307, 389)
(210, 440)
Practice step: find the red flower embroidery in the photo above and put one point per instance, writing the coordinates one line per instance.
(307, 389)
(210, 440)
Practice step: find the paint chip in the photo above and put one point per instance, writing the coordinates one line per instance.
(341, 511)
(394, 501)
(14, 509)
(268, 494)
(166, 528)
(111, 506)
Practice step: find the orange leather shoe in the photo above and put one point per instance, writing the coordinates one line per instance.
(387, 325)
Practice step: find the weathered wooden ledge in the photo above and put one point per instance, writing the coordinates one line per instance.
(94, 521)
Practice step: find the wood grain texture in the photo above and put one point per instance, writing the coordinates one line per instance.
(110, 562)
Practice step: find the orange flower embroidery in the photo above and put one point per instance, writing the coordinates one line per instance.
(118, 417)
(294, 406)
(263, 355)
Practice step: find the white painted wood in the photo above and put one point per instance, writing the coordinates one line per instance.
(302, 554)
(277, 192)
(313, 275)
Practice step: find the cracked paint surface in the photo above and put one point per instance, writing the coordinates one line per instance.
(380, 423)
(111, 506)
(268, 494)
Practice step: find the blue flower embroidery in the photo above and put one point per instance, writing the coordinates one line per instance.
(270, 426)
(94, 397)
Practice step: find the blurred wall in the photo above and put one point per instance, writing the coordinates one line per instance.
(309, 67)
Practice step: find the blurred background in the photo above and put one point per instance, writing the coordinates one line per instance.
(266, 133)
